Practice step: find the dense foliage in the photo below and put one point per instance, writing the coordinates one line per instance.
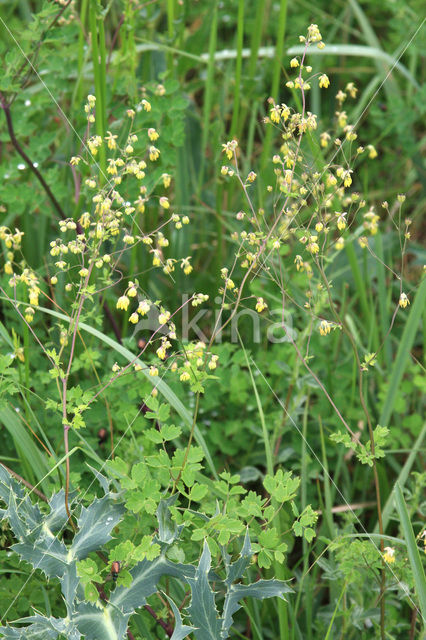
(211, 354)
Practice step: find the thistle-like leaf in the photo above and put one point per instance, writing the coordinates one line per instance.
(181, 630)
(48, 554)
(95, 524)
(41, 628)
(235, 570)
(103, 481)
(203, 607)
(168, 531)
(69, 585)
(237, 592)
(57, 517)
(146, 575)
(96, 621)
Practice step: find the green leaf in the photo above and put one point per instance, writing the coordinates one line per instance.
(413, 552)
(156, 382)
(198, 492)
(203, 607)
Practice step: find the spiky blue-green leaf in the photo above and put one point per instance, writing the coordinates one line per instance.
(235, 570)
(203, 607)
(168, 531)
(100, 622)
(41, 628)
(103, 481)
(146, 575)
(181, 630)
(69, 585)
(48, 554)
(57, 517)
(95, 524)
(237, 592)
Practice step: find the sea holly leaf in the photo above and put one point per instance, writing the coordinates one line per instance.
(181, 630)
(41, 628)
(103, 481)
(236, 570)
(168, 530)
(95, 524)
(146, 575)
(58, 516)
(95, 621)
(69, 586)
(259, 590)
(48, 554)
(203, 607)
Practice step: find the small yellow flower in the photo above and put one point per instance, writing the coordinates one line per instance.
(154, 153)
(372, 153)
(144, 307)
(298, 261)
(312, 245)
(251, 176)
(153, 134)
(314, 34)
(184, 377)
(285, 112)
(153, 371)
(29, 314)
(8, 269)
(164, 202)
(324, 139)
(325, 327)
(111, 140)
(115, 367)
(403, 300)
(53, 280)
(134, 318)
(324, 81)
(123, 303)
(389, 555)
(85, 220)
(213, 362)
(167, 178)
(164, 317)
(294, 63)
(162, 351)
(275, 113)
(229, 147)
(351, 89)
(261, 305)
(340, 243)
(341, 221)
(146, 105)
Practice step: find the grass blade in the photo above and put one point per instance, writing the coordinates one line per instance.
(413, 552)
(402, 356)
